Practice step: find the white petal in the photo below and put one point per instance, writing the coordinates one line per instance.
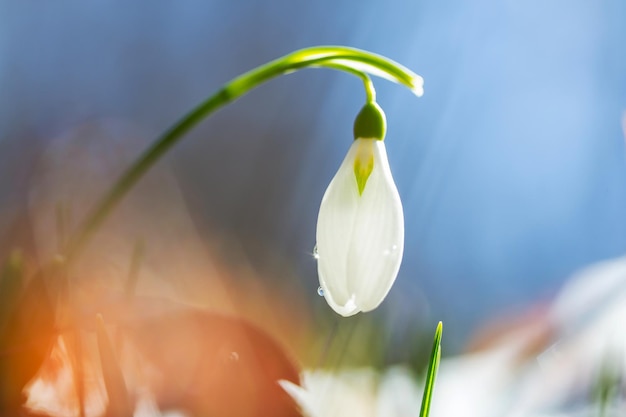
(377, 240)
(335, 222)
(360, 238)
(351, 392)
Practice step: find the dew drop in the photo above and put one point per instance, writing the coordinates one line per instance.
(391, 250)
(320, 291)
(316, 255)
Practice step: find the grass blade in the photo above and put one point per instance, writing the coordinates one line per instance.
(433, 365)
(11, 283)
(119, 401)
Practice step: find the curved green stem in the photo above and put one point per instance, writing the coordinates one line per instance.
(370, 91)
(354, 61)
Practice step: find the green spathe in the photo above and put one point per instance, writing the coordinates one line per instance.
(370, 122)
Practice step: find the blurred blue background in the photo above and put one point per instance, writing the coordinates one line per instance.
(511, 166)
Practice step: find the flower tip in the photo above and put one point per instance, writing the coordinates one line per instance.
(299, 394)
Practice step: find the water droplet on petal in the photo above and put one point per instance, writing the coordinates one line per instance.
(391, 250)
(316, 255)
(320, 291)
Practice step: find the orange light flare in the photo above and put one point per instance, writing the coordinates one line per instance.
(191, 331)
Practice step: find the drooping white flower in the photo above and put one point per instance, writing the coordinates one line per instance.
(360, 227)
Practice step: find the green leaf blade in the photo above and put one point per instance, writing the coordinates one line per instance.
(433, 366)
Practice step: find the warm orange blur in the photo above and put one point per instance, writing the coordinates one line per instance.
(193, 330)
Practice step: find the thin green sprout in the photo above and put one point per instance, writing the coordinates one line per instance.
(433, 366)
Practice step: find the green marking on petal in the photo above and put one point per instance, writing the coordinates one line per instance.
(363, 163)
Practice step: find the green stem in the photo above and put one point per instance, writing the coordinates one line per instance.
(370, 92)
(354, 61)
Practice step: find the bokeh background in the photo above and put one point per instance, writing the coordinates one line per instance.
(511, 167)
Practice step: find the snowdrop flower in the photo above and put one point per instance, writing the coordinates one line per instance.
(360, 227)
(361, 392)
